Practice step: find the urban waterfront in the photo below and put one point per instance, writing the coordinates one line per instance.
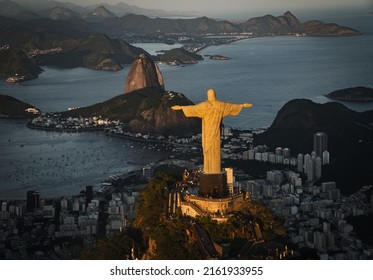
(285, 210)
(266, 72)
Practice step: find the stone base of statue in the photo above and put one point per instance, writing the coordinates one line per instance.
(213, 185)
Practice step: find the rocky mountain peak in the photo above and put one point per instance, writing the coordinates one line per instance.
(102, 12)
(290, 19)
(59, 13)
(98, 13)
(143, 73)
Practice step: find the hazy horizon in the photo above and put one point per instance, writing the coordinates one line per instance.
(241, 8)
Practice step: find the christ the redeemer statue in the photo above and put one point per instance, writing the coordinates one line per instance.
(211, 111)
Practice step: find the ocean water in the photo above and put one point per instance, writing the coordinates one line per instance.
(267, 72)
(57, 163)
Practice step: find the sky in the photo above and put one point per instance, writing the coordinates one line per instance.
(230, 7)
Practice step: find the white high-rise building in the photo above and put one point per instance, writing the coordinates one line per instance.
(286, 153)
(279, 151)
(272, 158)
(226, 131)
(325, 158)
(308, 167)
(300, 163)
(318, 167)
(306, 158)
(251, 154)
(320, 143)
(279, 159)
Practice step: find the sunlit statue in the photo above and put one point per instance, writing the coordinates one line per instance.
(211, 111)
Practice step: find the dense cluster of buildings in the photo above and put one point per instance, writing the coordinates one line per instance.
(118, 131)
(56, 121)
(113, 128)
(35, 52)
(60, 228)
(309, 164)
(316, 216)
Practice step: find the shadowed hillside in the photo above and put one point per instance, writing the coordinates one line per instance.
(350, 139)
(146, 111)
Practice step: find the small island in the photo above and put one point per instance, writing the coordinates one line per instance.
(219, 57)
(179, 56)
(354, 94)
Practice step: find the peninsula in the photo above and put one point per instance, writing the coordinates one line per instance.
(11, 107)
(353, 94)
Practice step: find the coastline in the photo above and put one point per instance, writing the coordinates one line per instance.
(370, 100)
(107, 133)
(69, 130)
(138, 139)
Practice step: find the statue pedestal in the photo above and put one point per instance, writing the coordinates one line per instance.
(213, 185)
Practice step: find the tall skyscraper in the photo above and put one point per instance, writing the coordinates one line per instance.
(318, 167)
(320, 143)
(57, 214)
(325, 158)
(279, 151)
(286, 153)
(88, 195)
(308, 167)
(33, 201)
(300, 163)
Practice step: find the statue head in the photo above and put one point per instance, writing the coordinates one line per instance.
(211, 95)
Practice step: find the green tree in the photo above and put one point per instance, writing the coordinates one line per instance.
(116, 247)
(265, 217)
(153, 200)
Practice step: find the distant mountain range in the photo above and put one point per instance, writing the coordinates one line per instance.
(97, 51)
(80, 45)
(119, 19)
(80, 32)
(12, 8)
(121, 9)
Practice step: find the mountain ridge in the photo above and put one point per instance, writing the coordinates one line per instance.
(81, 45)
(350, 139)
(299, 119)
(107, 19)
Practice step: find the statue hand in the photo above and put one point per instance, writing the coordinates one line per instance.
(176, 107)
(247, 105)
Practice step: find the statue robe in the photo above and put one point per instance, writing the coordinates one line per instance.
(211, 113)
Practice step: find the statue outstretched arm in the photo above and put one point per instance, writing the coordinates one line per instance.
(246, 105)
(198, 110)
(176, 107)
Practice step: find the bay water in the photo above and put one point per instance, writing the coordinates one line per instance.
(267, 72)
